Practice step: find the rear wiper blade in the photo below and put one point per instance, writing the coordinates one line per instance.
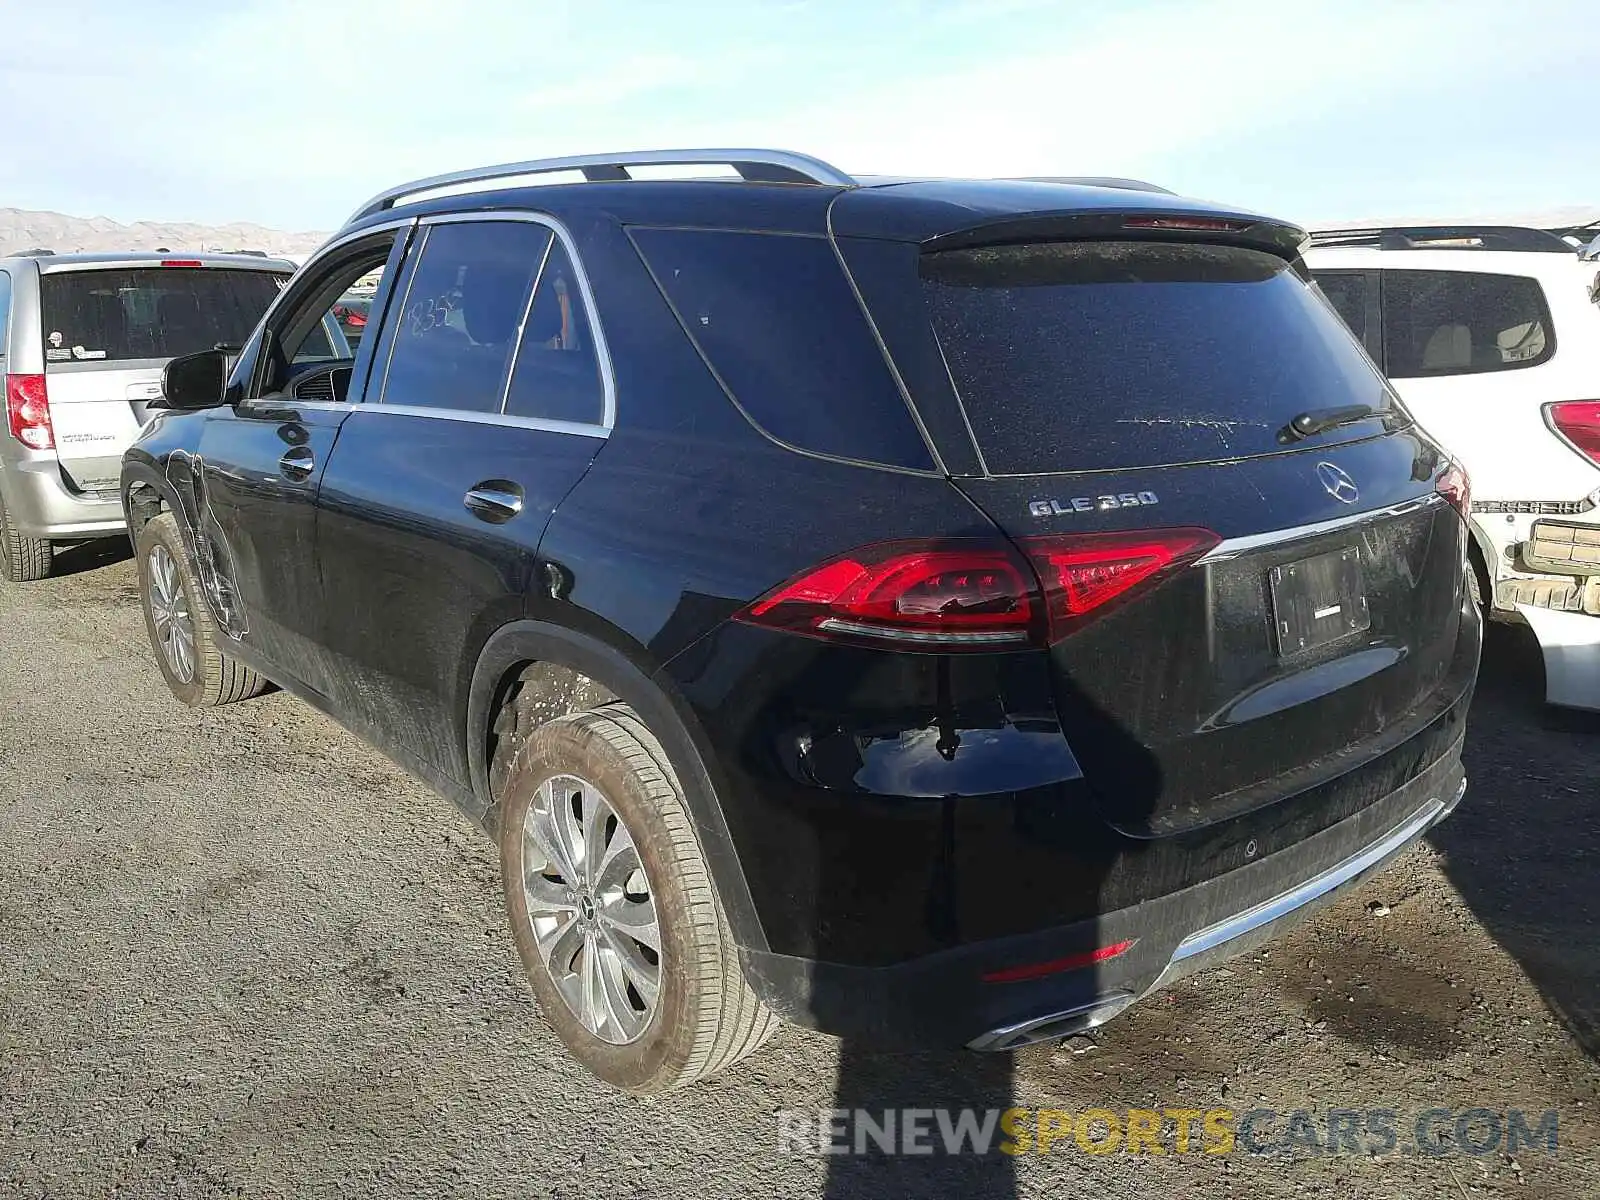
(1319, 420)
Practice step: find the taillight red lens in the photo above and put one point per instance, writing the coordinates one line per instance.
(1082, 572)
(948, 595)
(181, 262)
(974, 595)
(28, 411)
(1455, 487)
(1579, 422)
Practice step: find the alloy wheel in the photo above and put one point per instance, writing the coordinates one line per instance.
(592, 909)
(169, 607)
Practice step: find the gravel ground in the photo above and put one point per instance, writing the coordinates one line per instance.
(243, 954)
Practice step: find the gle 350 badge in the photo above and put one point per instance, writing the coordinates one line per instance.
(1080, 504)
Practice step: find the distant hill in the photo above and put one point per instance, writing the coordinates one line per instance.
(21, 229)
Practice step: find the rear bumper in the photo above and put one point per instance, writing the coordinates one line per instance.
(41, 505)
(942, 999)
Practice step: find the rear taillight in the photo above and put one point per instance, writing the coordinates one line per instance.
(1455, 487)
(974, 594)
(28, 411)
(949, 595)
(1578, 421)
(1086, 571)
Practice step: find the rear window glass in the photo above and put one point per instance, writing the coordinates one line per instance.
(156, 312)
(1081, 356)
(777, 321)
(1462, 322)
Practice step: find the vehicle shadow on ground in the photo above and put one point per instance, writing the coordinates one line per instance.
(1524, 847)
(90, 556)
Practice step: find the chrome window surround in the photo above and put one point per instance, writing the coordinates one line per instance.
(602, 353)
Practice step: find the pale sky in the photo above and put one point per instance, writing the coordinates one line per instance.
(291, 112)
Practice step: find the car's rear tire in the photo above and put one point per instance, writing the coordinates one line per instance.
(23, 559)
(584, 792)
(182, 631)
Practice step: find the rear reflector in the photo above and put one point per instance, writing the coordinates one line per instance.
(1455, 487)
(1578, 421)
(28, 411)
(1073, 962)
(181, 262)
(974, 594)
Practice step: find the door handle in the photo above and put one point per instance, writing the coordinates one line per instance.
(298, 463)
(495, 501)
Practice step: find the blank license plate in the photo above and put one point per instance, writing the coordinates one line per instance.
(1318, 600)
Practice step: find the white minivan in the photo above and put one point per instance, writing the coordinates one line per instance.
(83, 341)
(1491, 336)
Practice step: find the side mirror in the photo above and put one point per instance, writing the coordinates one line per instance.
(195, 380)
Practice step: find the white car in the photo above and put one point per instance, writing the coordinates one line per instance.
(1491, 336)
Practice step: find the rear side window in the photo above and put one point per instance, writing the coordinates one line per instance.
(5, 314)
(1084, 356)
(458, 325)
(777, 321)
(1352, 294)
(156, 312)
(1462, 322)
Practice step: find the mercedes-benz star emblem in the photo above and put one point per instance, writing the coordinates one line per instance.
(1338, 483)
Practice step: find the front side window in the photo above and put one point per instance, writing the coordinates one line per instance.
(457, 326)
(1462, 322)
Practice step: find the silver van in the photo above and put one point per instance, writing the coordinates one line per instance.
(83, 341)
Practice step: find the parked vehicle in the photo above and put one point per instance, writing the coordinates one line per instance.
(1491, 335)
(83, 340)
(351, 312)
(934, 612)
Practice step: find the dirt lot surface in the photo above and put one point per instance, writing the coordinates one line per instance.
(242, 954)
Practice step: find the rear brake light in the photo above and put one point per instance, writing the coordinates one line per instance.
(961, 594)
(28, 411)
(1578, 421)
(1191, 224)
(1455, 487)
(181, 262)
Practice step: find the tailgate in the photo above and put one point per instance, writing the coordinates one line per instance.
(1130, 398)
(97, 409)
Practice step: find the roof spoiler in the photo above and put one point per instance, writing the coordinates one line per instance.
(1137, 224)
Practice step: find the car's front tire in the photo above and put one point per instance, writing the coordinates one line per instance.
(613, 909)
(23, 559)
(183, 633)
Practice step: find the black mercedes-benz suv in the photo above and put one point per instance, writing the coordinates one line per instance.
(935, 612)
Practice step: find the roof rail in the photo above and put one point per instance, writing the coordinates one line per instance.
(1105, 181)
(755, 166)
(1444, 237)
(36, 252)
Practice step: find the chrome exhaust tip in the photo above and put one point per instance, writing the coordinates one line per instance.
(1053, 1025)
